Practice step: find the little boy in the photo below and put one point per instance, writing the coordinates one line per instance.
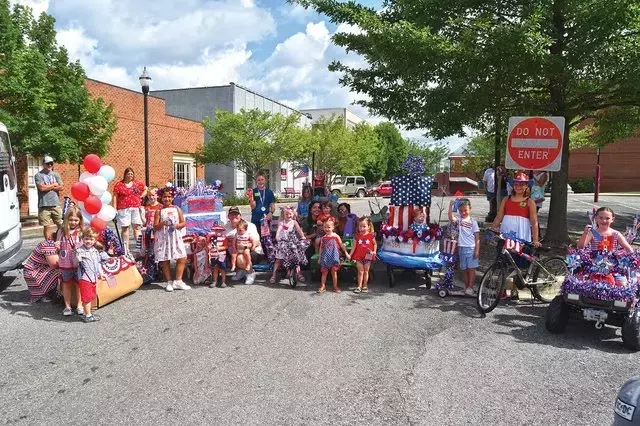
(468, 241)
(89, 270)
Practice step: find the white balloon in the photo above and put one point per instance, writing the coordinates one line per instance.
(106, 197)
(86, 216)
(107, 172)
(107, 213)
(97, 185)
(84, 176)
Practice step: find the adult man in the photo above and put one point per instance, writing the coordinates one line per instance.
(234, 217)
(489, 180)
(49, 184)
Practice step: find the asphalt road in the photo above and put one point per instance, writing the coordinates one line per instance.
(274, 355)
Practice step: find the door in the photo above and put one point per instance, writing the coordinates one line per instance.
(33, 167)
(184, 170)
(350, 185)
(9, 207)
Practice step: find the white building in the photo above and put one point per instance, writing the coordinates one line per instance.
(351, 120)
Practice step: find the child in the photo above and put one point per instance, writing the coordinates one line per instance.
(319, 185)
(151, 207)
(325, 214)
(200, 259)
(364, 252)
(330, 246)
(304, 203)
(218, 255)
(419, 221)
(603, 237)
(291, 245)
(468, 241)
(241, 246)
(168, 246)
(89, 270)
(67, 239)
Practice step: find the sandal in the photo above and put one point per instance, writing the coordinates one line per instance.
(365, 289)
(336, 290)
(321, 290)
(300, 277)
(357, 290)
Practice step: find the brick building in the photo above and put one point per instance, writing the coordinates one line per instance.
(618, 163)
(173, 142)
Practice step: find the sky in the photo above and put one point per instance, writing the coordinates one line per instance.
(275, 48)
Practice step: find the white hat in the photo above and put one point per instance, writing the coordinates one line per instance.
(46, 159)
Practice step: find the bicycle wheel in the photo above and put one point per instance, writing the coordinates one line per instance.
(550, 278)
(491, 288)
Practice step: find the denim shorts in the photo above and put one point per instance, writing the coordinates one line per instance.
(69, 275)
(467, 260)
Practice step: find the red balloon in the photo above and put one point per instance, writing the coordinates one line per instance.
(92, 163)
(98, 224)
(92, 204)
(80, 191)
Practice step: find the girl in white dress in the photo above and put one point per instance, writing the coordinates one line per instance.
(168, 224)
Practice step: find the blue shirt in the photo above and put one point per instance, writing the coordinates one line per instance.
(264, 198)
(303, 207)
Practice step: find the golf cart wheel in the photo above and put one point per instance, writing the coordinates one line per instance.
(427, 278)
(551, 279)
(443, 293)
(631, 331)
(392, 279)
(491, 288)
(293, 279)
(557, 316)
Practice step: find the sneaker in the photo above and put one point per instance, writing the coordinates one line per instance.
(67, 312)
(251, 277)
(90, 318)
(239, 275)
(80, 310)
(169, 286)
(212, 285)
(223, 285)
(180, 285)
(468, 291)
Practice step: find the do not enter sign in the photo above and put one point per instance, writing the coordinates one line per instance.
(535, 143)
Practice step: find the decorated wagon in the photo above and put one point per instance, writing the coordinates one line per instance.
(409, 240)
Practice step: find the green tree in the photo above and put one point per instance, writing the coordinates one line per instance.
(431, 155)
(445, 65)
(335, 147)
(253, 139)
(45, 103)
(371, 151)
(395, 148)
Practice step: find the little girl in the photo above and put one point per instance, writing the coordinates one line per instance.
(169, 245)
(200, 259)
(324, 215)
(330, 246)
(67, 240)
(364, 252)
(89, 270)
(218, 255)
(291, 245)
(241, 246)
(151, 207)
(419, 221)
(603, 237)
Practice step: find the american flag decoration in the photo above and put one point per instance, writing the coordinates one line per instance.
(411, 191)
(401, 217)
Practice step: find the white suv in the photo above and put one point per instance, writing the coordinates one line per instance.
(349, 186)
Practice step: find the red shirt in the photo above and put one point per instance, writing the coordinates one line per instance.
(318, 182)
(128, 196)
(364, 244)
(150, 213)
(517, 208)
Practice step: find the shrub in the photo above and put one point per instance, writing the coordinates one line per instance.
(583, 185)
(232, 200)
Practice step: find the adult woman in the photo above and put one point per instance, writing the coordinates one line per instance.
(309, 226)
(304, 203)
(537, 190)
(41, 270)
(127, 198)
(262, 201)
(344, 209)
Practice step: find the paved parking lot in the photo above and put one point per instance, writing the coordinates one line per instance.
(273, 355)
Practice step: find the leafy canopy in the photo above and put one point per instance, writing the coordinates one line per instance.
(44, 101)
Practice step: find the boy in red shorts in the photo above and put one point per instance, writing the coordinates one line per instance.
(89, 270)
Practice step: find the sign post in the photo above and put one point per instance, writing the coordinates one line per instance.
(535, 143)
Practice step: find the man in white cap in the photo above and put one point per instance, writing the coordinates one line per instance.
(234, 217)
(49, 184)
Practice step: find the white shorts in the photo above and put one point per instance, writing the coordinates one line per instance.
(128, 216)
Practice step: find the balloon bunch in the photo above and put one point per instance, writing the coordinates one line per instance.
(91, 195)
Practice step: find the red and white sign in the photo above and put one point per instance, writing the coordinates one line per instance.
(535, 143)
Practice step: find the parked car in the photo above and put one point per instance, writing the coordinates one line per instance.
(382, 189)
(349, 186)
(11, 257)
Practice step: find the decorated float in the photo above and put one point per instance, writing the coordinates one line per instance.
(405, 243)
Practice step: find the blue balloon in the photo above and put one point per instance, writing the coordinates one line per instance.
(106, 198)
(87, 217)
(107, 172)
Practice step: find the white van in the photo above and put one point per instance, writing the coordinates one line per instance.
(11, 257)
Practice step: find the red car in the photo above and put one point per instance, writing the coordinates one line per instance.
(382, 189)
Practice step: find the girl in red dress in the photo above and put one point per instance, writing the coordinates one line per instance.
(364, 252)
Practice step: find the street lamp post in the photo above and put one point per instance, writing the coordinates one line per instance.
(145, 80)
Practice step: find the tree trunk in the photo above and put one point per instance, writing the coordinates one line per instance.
(557, 232)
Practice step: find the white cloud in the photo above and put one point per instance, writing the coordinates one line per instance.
(296, 12)
(38, 6)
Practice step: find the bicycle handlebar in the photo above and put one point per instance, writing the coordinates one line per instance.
(501, 236)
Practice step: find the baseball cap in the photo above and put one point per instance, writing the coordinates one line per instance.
(234, 209)
(626, 405)
(46, 159)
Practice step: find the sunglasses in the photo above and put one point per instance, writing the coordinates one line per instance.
(49, 164)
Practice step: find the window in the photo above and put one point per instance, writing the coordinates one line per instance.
(360, 181)
(435, 184)
(351, 180)
(6, 163)
(338, 180)
(184, 170)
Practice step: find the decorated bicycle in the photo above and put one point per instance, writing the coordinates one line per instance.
(409, 240)
(602, 285)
